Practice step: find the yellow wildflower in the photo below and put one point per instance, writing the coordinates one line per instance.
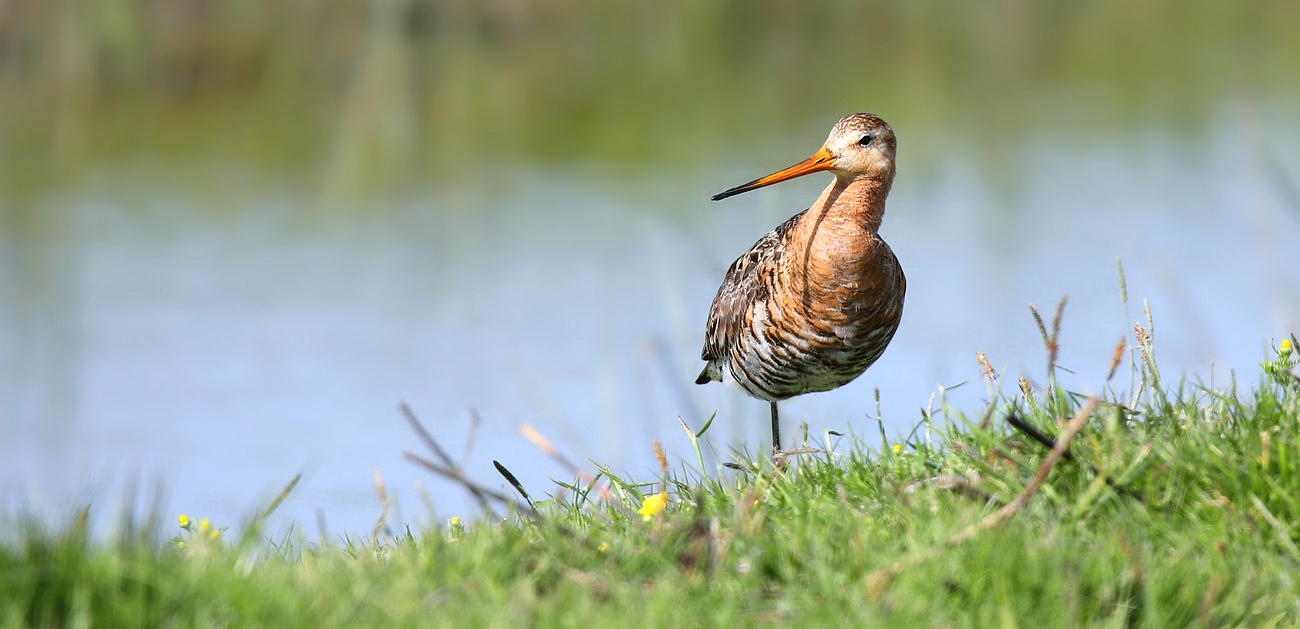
(1285, 349)
(653, 504)
(184, 521)
(455, 521)
(205, 525)
(214, 534)
(604, 546)
(898, 447)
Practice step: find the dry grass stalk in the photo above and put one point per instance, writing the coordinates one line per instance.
(284, 493)
(449, 469)
(544, 444)
(1151, 322)
(964, 485)
(1116, 357)
(481, 493)
(1146, 346)
(1123, 283)
(385, 503)
(1026, 390)
(1143, 338)
(474, 422)
(1038, 321)
(424, 435)
(878, 580)
(990, 385)
(1054, 345)
(1282, 530)
(986, 369)
(660, 456)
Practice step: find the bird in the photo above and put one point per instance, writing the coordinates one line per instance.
(817, 300)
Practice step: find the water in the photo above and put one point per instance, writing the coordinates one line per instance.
(230, 244)
(226, 351)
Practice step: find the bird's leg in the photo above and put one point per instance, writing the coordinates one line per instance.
(776, 432)
(778, 456)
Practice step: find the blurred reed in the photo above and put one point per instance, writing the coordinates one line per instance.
(375, 93)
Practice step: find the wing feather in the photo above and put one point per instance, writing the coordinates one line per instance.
(741, 288)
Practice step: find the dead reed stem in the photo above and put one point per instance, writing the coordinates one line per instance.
(878, 580)
(452, 471)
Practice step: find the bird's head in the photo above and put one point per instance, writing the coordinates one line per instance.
(860, 145)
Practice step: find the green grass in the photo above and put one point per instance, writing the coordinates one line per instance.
(1179, 508)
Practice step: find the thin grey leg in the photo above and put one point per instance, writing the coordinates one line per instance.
(776, 431)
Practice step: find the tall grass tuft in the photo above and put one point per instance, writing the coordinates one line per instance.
(1171, 505)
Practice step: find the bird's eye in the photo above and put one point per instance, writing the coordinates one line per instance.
(865, 141)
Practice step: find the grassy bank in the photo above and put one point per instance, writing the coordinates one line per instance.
(1173, 505)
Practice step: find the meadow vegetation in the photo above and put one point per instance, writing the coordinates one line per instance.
(1170, 504)
(1163, 501)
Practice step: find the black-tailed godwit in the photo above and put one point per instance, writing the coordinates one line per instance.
(814, 302)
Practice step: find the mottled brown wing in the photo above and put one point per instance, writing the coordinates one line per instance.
(741, 287)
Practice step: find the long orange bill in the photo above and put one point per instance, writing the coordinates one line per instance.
(821, 160)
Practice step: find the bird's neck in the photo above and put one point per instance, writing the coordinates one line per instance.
(859, 200)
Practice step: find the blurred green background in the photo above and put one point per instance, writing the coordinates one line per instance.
(403, 92)
(234, 233)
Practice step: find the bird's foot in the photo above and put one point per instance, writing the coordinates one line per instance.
(780, 459)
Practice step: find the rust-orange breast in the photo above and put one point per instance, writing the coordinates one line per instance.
(808, 308)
